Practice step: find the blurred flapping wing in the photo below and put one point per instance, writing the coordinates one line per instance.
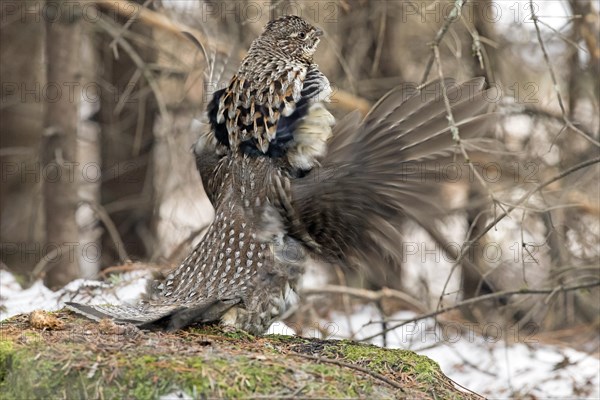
(382, 169)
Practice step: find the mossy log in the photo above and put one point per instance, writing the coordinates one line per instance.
(60, 355)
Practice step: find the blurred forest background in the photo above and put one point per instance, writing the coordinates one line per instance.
(102, 100)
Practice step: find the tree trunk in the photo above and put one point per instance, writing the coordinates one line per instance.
(59, 147)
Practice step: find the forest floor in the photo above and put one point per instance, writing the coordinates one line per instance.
(61, 355)
(493, 366)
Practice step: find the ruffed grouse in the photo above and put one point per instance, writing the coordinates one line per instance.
(286, 187)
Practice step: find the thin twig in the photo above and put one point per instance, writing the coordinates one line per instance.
(520, 201)
(341, 98)
(524, 248)
(566, 120)
(380, 39)
(139, 129)
(111, 228)
(535, 111)
(139, 62)
(280, 395)
(452, 17)
(491, 296)
(122, 102)
(39, 268)
(341, 276)
(123, 8)
(198, 45)
(476, 47)
(563, 37)
(343, 63)
(526, 196)
(456, 138)
(374, 374)
(370, 295)
(126, 26)
(479, 50)
(449, 115)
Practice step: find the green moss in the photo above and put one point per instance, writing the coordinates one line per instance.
(339, 382)
(32, 337)
(9, 320)
(382, 360)
(249, 377)
(6, 352)
(36, 377)
(202, 362)
(215, 330)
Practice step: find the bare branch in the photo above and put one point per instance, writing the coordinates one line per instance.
(341, 98)
(374, 374)
(112, 30)
(459, 144)
(111, 228)
(536, 111)
(566, 119)
(371, 295)
(526, 196)
(126, 26)
(491, 296)
(454, 15)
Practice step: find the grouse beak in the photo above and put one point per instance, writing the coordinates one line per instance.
(318, 32)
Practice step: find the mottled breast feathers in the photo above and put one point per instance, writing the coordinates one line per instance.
(273, 93)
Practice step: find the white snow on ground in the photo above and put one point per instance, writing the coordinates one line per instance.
(487, 366)
(16, 300)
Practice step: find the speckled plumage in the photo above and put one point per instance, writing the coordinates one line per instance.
(349, 209)
(274, 91)
(245, 269)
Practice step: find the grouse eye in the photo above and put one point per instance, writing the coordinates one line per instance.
(302, 35)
